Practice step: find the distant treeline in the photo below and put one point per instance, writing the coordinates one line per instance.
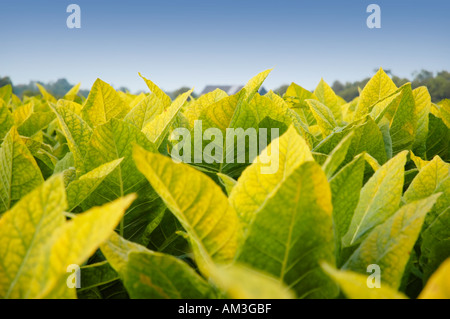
(59, 88)
(438, 85)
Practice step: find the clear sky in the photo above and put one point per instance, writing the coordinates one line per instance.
(194, 43)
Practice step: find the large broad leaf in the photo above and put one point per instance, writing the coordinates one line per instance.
(254, 84)
(24, 232)
(293, 232)
(35, 123)
(379, 86)
(435, 246)
(337, 156)
(76, 131)
(149, 274)
(267, 173)
(73, 244)
(112, 141)
(367, 138)
(6, 93)
(157, 129)
(103, 104)
(19, 172)
(72, 93)
(198, 203)
(221, 113)
(386, 106)
(438, 141)
(323, 115)
(389, 245)
(355, 286)
(78, 190)
(438, 287)
(403, 124)
(195, 109)
(432, 178)
(379, 199)
(288, 116)
(47, 96)
(422, 100)
(21, 113)
(327, 97)
(145, 111)
(227, 182)
(157, 91)
(345, 189)
(6, 120)
(240, 282)
(443, 111)
(296, 97)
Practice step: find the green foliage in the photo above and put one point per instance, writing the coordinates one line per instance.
(342, 186)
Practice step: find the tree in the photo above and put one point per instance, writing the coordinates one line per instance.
(5, 81)
(281, 90)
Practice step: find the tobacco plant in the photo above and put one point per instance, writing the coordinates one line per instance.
(93, 204)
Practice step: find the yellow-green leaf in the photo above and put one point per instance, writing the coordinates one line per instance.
(78, 190)
(227, 182)
(6, 120)
(268, 172)
(240, 282)
(323, 116)
(337, 156)
(293, 232)
(379, 199)
(402, 125)
(76, 131)
(254, 84)
(422, 100)
(19, 172)
(103, 104)
(74, 242)
(389, 244)
(24, 232)
(379, 86)
(345, 189)
(157, 129)
(444, 111)
(154, 275)
(109, 142)
(327, 97)
(22, 112)
(145, 111)
(157, 91)
(428, 180)
(6, 93)
(195, 109)
(47, 96)
(355, 286)
(72, 93)
(438, 286)
(197, 202)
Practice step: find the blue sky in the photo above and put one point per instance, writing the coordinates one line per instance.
(193, 43)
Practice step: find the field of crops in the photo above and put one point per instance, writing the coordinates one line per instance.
(350, 199)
